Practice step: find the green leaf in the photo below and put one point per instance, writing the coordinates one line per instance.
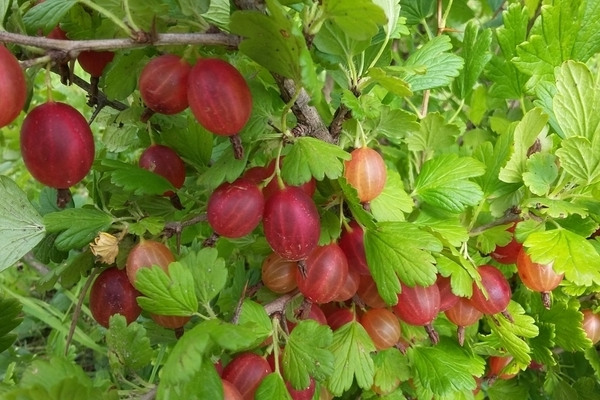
(448, 227)
(416, 11)
(526, 133)
(391, 367)
(493, 158)
(492, 237)
(312, 157)
(351, 349)
(542, 345)
(120, 77)
(330, 227)
(556, 208)
(580, 159)
(208, 270)
(571, 254)
(191, 8)
(153, 225)
(391, 83)
(446, 368)
(90, 221)
(128, 343)
(575, 105)
(21, 227)
(509, 335)
(593, 357)
(351, 197)
(550, 42)
(226, 168)
(49, 373)
(396, 124)
(331, 39)
(135, 179)
(412, 262)
(272, 387)
(306, 354)
(10, 309)
(441, 65)
(171, 294)
(507, 80)
(47, 15)
(587, 42)
(476, 53)
(276, 43)
(443, 182)
(255, 316)
(507, 390)
(393, 202)
(359, 19)
(434, 136)
(193, 144)
(391, 8)
(542, 171)
(567, 322)
(461, 275)
(204, 384)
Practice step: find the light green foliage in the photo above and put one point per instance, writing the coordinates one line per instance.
(171, 294)
(128, 344)
(76, 235)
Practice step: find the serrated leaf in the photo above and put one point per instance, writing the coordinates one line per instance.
(476, 53)
(193, 144)
(575, 104)
(359, 19)
(391, 367)
(226, 168)
(416, 11)
(120, 77)
(171, 294)
(331, 39)
(567, 322)
(449, 228)
(48, 373)
(128, 343)
(192, 8)
(391, 83)
(461, 279)
(412, 262)
(541, 172)
(396, 124)
(153, 225)
(277, 44)
(441, 66)
(272, 387)
(209, 271)
(312, 157)
(587, 42)
(507, 390)
(507, 80)
(446, 368)
(351, 348)
(306, 354)
(571, 254)
(47, 15)
(135, 179)
(330, 227)
(556, 208)
(542, 345)
(21, 227)
(493, 158)
(434, 136)
(509, 335)
(443, 182)
(90, 221)
(351, 197)
(9, 315)
(393, 202)
(204, 384)
(253, 314)
(492, 237)
(526, 133)
(580, 159)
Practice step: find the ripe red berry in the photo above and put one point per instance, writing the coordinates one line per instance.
(279, 275)
(538, 277)
(146, 254)
(366, 172)
(12, 87)
(507, 254)
(111, 294)
(497, 366)
(463, 314)
(353, 244)
(309, 187)
(591, 325)
(235, 209)
(164, 161)
(419, 306)
(230, 392)
(219, 97)
(57, 145)
(447, 298)
(245, 372)
(498, 290)
(163, 84)
(368, 293)
(94, 62)
(291, 223)
(382, 326)
(326, 274)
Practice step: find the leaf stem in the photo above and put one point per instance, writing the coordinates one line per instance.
(287, 109)
(109, 15)
(129, 17)
(161, 354)
(77, 311)
(456, 114)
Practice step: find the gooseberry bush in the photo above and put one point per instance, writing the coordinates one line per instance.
(296, 199)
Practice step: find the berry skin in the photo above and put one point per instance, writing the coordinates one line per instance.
(111, 294)
(163, 84)
(13, 88)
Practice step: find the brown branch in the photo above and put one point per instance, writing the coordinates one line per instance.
(512, 215)
(151, 395)
(32, 261)
(74, 47)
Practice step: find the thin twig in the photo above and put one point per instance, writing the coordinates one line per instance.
(512, 215)
(39, 266)
(77, 311)
(151, 395)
